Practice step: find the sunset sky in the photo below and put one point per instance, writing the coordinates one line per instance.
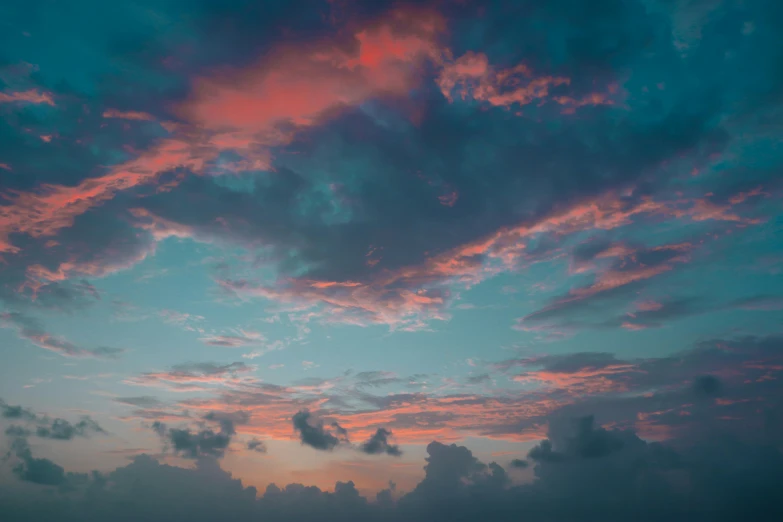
(297, 242)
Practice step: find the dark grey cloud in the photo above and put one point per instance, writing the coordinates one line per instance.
(585, 442)
(45, 427)
(38, 470)
(227, 419)
(194, 444)
(15, 412)
(519, 464)
(256, 445)
(314, 433)
(378, 443)
(599, 474)
(707, 386)
(61, 429)
(478, 379)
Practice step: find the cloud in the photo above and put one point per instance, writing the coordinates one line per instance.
(315, 434)
(587, 442)
(716, 479)
(233, 341)
(16, 412)
(30, 96)
(195, 444)
(32, 330)
(61, 429)
(473, 77)
(256, 445)
(144, 401)
(128, 115)
(44, 427)
(379, 444)
(349, 246)
(38, 470)
(707, 385)
(192, 376)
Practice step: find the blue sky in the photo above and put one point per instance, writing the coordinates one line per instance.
(303, 242)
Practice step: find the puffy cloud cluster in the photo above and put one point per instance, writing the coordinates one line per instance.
(27, 423)
(582, 472)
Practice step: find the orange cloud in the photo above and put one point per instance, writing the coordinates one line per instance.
(29, 96)
(585, 381)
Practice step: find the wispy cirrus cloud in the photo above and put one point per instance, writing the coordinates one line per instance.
(32, 330)
(244, 338)
(195, 376)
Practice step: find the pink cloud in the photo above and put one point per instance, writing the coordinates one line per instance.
(299, 84)
(128, 115)
(245, 110)
(409, 297)
(472, 76)
(53, 207)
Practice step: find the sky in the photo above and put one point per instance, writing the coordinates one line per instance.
(337, 260)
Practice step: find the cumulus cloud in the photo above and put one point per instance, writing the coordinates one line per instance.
(600, 474)
(45, 427)
(256, 445)
(202, 442)
(61, 429)
(37, 470)
(316, 434)
(379, 444)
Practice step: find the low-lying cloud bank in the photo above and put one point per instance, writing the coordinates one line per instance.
(582, 472)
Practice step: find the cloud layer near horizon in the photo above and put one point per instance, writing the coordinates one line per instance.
(582, 472)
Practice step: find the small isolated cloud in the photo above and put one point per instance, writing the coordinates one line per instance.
(379, 444)
(194, 444)
(314, 433)
(243, 338)
(256, 445)
(707, 386)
